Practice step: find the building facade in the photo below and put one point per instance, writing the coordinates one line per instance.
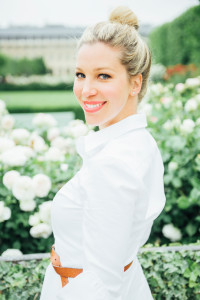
(55, 44)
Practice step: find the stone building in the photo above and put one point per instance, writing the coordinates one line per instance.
(55, 44)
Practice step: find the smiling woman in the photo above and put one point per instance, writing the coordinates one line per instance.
(102, 85)
(104, 214)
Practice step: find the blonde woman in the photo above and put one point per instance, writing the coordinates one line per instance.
(104, 214)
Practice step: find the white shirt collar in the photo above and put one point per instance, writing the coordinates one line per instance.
(86, 144)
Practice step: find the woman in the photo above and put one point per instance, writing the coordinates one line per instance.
(104, 214)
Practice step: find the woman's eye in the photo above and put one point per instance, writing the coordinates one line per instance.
(79, 75)
(104, 76)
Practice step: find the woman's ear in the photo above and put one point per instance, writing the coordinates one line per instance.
(136, 84)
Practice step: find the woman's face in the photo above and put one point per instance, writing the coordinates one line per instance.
(101, 79)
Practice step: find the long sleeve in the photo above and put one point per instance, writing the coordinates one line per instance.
(110, 191)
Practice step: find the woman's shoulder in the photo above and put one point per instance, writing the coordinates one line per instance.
(133, 146)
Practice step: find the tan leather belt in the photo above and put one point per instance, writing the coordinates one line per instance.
(67, 272)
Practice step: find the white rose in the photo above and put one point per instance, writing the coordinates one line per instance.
(42, 184)
(27, 205)
(45, 212)
(26, 150)
(2, 106)
(79, 131)
(166, 101)
(66, 145)
(198, 121)
(34, 219)
(64, 167)
(74, 123)
(23, 189)
(172, 166)
(168, 125)
(7, 122)
(12, 253)
(6, 144)
(53, 133)
(192, 82)
(176, 122)
(20, 135)
(197, 97)
(187, 126)
(70, 145)
(191, 105)
(17, 156)
(9, 178)
(41, 230)
(156, 88)
(13, 158)
(54, 154)
(40, 158)
(44, 120)
(158, 106)
(147, 109)
(171, 232)
(75, 129)
(178, 104)
(180, 87)
(60, 143)
(37, 142)
(5, 212)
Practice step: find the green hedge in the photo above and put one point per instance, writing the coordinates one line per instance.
(78, 111)
(178, 41)
(22, 66)
(35, 86)
(171, 275)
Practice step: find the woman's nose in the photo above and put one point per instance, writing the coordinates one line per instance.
(88, 90)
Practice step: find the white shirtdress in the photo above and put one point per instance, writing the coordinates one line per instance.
(104, 214)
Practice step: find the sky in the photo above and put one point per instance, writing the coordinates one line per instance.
(87, 12)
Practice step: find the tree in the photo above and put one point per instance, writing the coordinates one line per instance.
(23, 66)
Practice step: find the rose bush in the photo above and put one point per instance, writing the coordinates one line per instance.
(174, 121)
(33, 167)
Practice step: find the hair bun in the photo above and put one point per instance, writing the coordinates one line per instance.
(124, 15)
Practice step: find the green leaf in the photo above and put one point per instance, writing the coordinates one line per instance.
(191, 229)
(183, 202)
(177, 182)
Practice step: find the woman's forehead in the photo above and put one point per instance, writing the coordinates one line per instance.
(99, 55)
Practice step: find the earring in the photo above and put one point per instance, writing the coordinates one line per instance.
(133, 93)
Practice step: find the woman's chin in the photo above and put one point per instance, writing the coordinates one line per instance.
(91, 120)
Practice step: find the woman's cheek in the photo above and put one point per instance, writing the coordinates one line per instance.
(77, 90)
(110, 92)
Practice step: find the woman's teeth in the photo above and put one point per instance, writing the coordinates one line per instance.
(96, 105)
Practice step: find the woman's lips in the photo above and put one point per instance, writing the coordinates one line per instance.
(93, 109)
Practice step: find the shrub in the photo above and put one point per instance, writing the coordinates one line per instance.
(171, 275)
(173, 117)
(177, 41)
(23, 66)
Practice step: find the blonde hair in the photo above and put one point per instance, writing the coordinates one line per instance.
(121, 32)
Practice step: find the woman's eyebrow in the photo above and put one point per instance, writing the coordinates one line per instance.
(97, 69)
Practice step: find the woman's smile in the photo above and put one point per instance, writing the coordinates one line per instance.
(92, 106)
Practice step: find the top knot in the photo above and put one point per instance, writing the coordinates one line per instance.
(124, 15)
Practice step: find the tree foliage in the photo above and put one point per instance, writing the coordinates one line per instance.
(23, 66)
(178, 41)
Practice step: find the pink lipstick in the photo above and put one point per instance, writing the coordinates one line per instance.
(92, 106)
